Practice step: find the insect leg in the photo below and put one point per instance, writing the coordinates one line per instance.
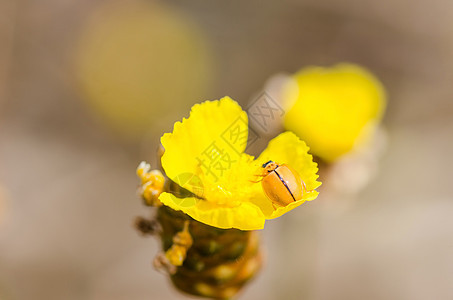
(259, 175)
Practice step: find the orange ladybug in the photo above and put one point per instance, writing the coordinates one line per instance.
(281, 184)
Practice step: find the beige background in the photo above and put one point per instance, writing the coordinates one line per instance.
(67, 180)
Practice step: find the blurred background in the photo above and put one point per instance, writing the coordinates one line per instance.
(88, 87)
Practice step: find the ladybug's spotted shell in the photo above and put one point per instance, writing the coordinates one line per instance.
(282, 185)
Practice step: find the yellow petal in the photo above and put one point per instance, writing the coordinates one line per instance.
(283, 210)
(288, 149)
(208, 143)
(245, 216)
(333, 109)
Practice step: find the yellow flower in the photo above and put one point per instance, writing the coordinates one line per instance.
(334, 109)
(210, 145)
(129, 57)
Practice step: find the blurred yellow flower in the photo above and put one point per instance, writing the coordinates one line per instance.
(130, 57)
(210, 145)
(334, 109)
